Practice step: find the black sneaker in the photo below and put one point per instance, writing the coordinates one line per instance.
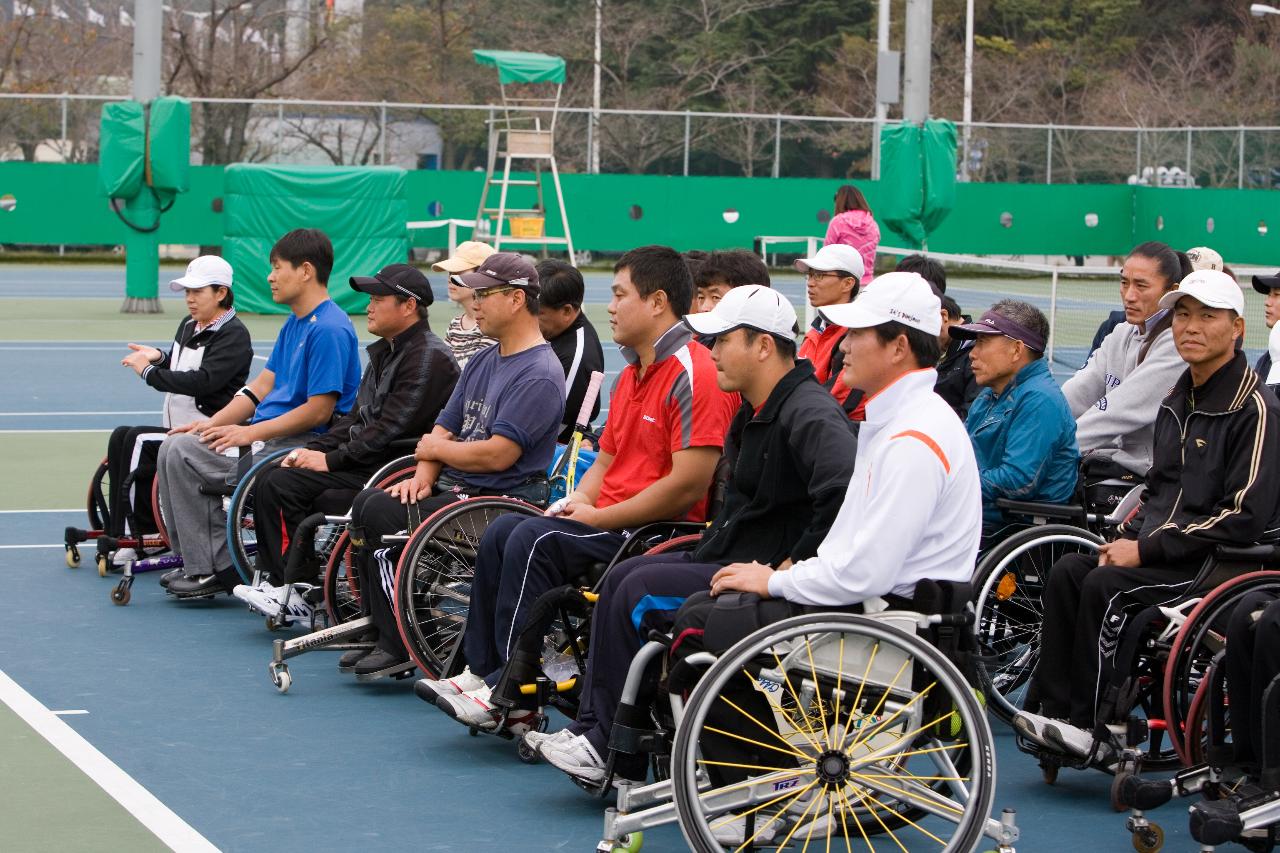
(347, 662)
(379, 660)
(171, 576)
(198, 586)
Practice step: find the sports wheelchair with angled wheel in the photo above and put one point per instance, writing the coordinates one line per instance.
(861, 730)
(144, 536)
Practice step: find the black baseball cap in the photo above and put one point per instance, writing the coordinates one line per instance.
(501, 269)
(396, 280)
(1264, 284)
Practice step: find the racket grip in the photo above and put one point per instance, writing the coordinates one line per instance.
(589, 400)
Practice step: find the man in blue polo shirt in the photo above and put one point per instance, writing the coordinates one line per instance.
(311, 376)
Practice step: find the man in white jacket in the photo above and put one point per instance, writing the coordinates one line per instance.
(1115, 396)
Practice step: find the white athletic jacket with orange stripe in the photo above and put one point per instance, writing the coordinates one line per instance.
(913, 509)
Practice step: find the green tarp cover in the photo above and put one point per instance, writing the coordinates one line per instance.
(170, 144)
(362, 210)
(122, 149)
(518, 67)
(918, 178)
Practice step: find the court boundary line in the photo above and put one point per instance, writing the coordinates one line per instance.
(39, 431)
(144, 806)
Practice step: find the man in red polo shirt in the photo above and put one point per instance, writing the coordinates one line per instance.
(832, 277)
(662, 440)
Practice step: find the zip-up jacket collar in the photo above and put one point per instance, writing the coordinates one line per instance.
(667, 344)
(1225, 391)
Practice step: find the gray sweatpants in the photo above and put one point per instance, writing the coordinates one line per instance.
(196, 522)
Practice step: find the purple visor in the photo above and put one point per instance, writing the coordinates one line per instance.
(992, 323)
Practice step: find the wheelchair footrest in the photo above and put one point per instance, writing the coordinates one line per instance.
(400, 670)
(1145, 794)
(1216, 821)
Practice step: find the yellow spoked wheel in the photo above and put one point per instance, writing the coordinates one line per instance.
(833, 732)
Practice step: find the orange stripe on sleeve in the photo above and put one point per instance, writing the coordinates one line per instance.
(928, 442)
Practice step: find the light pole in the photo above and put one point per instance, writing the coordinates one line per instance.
(968, 86)
(594, 166)
(882, 105)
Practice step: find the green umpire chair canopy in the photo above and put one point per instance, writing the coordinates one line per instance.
(516, 66)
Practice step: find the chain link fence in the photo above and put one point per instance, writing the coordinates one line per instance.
(454, 136)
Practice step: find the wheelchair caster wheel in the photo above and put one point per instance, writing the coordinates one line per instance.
(525, 752)
(629, 843)
(73, 557)
(1149, 839)
(104, 565)
(280, 676)
(120, 594)
(1049, 773)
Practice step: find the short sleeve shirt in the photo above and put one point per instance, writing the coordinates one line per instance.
(313, 355)
(674, 406)
(519, 397)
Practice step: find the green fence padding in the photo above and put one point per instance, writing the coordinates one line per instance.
(939, 149)
(362, 210)
(902, 172)
(169, 149)
(121, 163)
(613, 213)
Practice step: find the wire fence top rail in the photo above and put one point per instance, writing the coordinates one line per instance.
(705, 114)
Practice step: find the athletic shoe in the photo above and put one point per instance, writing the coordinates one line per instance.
(379, 660)
(430, 689)
(576, 756)
(196, 586)
(1032, 725)
(474, 709)
(264, 598)
(348, 661)
(1071, 739)
(535, 740)
(171, 576)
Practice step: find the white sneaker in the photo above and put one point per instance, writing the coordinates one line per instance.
(465, 682)
(576, 756)
(297, 610)
(264, 598)
(536, 740)
(1068, 738)
(1032, 725)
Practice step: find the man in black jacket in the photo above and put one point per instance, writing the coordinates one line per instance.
(410, 376)
(565, 326)
(1210, 484)
(956, 383)
(791, 456)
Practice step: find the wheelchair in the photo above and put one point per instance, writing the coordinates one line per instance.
(868, 734)
(1155, 709)
(432, 582)
(1010, 578)
(1197, 718)
(146, 539)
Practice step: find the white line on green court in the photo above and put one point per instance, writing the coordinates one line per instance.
(77, 414)
(120, 786)
(25, 511)
(45, 431)
(20, 547)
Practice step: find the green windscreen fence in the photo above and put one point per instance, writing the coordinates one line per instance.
(362, 210)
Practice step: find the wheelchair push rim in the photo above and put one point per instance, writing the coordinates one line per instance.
(433, 577)
(854, 753)
(1009, 585)
(240, 517)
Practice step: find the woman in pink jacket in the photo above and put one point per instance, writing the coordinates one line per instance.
(853, 225)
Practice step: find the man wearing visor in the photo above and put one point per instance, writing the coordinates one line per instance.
(1020, 424)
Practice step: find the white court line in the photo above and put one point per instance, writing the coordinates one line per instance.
(41, 431)
(26, 511)
(74, 414)
(120, 786)
(20, 547)
(69, 713)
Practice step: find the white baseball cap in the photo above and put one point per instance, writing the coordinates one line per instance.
(753, 306)
(837, 256)
(1210, 287)
(202, 272)
(1204, 258)
(901, 297)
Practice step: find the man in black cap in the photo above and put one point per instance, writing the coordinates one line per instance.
(1268, 363)
(410, 376)
(495, 436)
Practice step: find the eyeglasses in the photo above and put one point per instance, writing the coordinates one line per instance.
(814, 275)
(478, 295)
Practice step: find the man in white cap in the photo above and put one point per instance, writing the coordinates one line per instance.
(832, 277)
(791, 455)
(1210, 484)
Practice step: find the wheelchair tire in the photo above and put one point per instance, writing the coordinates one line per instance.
(916, 749)
(98, 510)
(1008, 588)
(433, 577)
(1191, 653)
(157, 511)
(240, 535)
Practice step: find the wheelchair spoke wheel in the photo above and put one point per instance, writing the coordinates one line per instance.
(341, 584)
(96, 503)
(433, 577)
(1009, 588)
(1191, 655)
(157, 511)
(833, 731)
(242, 541)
